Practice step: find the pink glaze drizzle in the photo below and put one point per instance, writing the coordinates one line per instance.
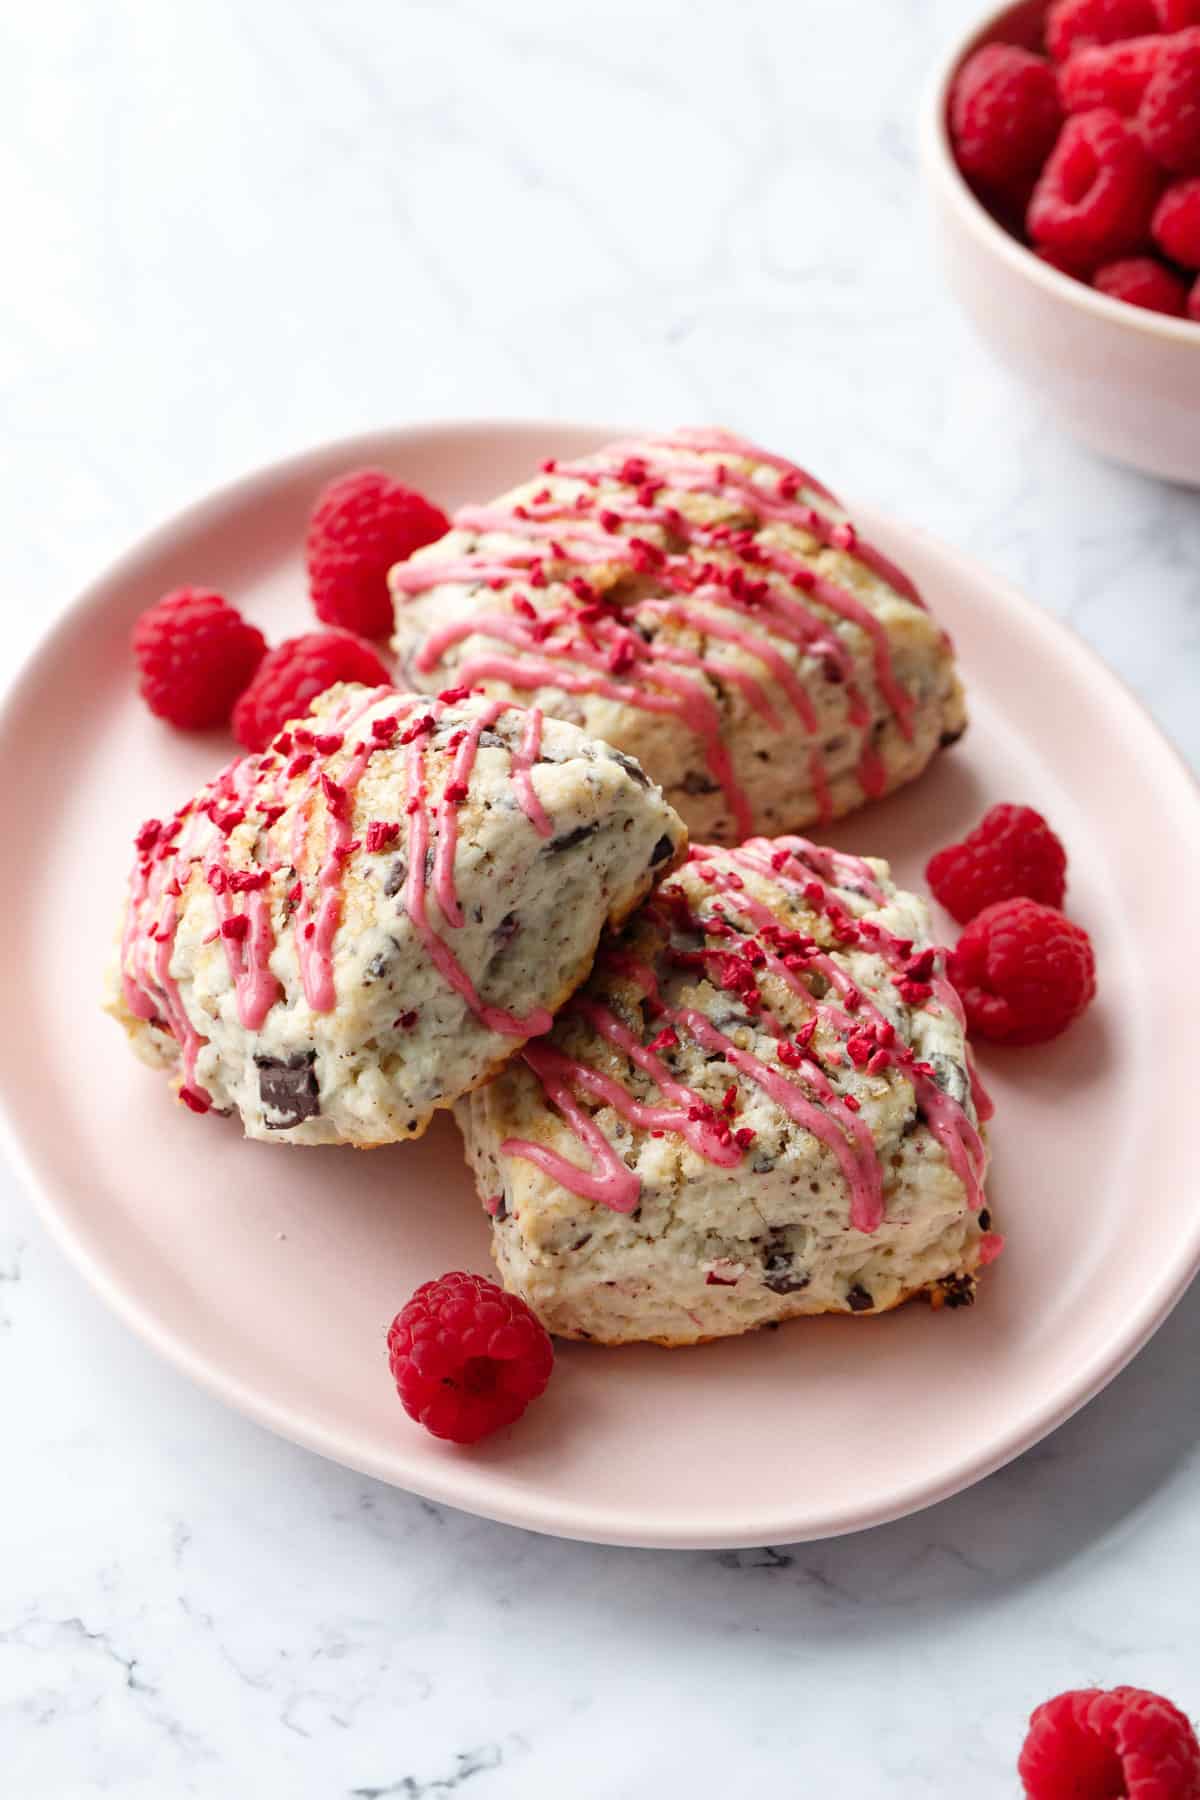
(609, 1182)
(522, 763)
(558, 538)
(959, 1139)
(447, 814)
(255, 788)
(830, 1115)
(703, 1135)
(444, 960)
(315, 935)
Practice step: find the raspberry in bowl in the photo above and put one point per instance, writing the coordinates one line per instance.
(1061, 148)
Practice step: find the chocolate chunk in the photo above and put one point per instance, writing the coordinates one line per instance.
(858, 1299)
(950, 737)
(951, 1077)
(396, 877)
(781, 1275)
(985, 1220)
(377, 968)
(662, 850)
(634, 770)
(288, 1088)
(569, 839)
(957, 1290)
(506, 930)
(696, 783)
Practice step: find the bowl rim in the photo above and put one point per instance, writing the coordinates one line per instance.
(940, 167)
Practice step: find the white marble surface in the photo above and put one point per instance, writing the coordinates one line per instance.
(234, 230)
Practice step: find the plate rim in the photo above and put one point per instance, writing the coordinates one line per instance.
(441, 1484)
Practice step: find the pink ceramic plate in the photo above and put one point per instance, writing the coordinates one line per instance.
(270, 1274)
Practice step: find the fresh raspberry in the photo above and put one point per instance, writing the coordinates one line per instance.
(1112, 75)
(1168, 118)
(1094, 197)
(1022, 971)
(467, 1357)
(195, 653)
(1066, 265)
(1073, 24)
(1011, 851)
(1142, 281)
(1193, 301)
(1177, 15)
(1176, 223)
(361, 525)
(1093, 1744)
(1004, 115)
(293, 674)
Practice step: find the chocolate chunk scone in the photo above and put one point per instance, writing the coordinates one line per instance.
(704, 606)
(759, 1105)
(338, 937)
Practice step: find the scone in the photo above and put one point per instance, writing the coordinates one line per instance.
(759, 1105)
(704, 606)
(338, 937)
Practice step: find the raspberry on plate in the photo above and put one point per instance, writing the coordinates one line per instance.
(1177, 15)
(1095, 1744)
(1168, 118)
(1193, 301)
(1176, 223)
(1113, 75)
(1094, 198)
(361, 525)
(195, 653)
(292, 675)
(1143, 281)
(1073, 24)
(466, 1357)
(1023, 972)
(1004, 115)
(1012, 851)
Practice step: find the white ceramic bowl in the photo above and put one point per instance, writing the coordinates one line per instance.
(1123, 380)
